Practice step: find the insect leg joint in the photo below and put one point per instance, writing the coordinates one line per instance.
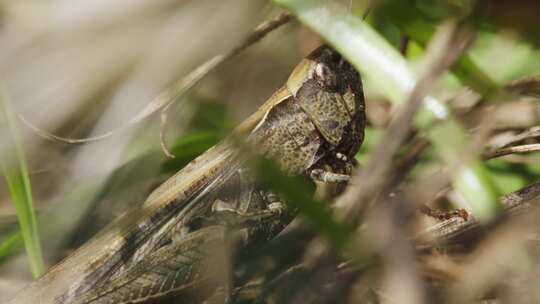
(328, 177)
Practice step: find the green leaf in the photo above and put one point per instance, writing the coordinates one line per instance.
(390, 74)
(18, 182)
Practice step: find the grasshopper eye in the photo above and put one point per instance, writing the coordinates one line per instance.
(326, 77)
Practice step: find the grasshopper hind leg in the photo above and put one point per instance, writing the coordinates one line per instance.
(225, 214)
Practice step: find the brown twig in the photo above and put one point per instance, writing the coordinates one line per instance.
(455, 227)
(527, 134)
(529, 86)
(407, 162)
(512, 150)
(444, 215)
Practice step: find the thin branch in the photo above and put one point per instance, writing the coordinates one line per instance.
(528, 86)
(409, 160)
(527, 134)
(510, 140)
(261, 31)
(73, 141)
(453, 228)
(512, 150)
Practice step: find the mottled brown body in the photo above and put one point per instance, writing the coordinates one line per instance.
(314, 122)
(324, 115)
(288, 135)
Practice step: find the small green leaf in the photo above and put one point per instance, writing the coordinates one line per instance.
(10, 244)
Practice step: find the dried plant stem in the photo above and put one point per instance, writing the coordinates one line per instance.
(455, 227)
(180, 88)
(513, 150)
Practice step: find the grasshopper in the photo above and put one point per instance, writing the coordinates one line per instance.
(312, 126)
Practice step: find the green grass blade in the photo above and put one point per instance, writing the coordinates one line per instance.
(18, 182)
(10, 244)
(390, 74)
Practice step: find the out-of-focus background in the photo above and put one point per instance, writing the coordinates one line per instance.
(80, 69)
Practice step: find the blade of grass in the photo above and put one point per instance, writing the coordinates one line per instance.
(10, 244)
(18, 182)
(381, 64)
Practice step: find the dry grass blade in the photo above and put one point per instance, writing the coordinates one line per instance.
(514, 139)
(175, 91)
(529, 86)
(184, 85)
(512, 150)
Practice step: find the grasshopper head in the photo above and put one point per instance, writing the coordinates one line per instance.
(329, 90)
(333, 72)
